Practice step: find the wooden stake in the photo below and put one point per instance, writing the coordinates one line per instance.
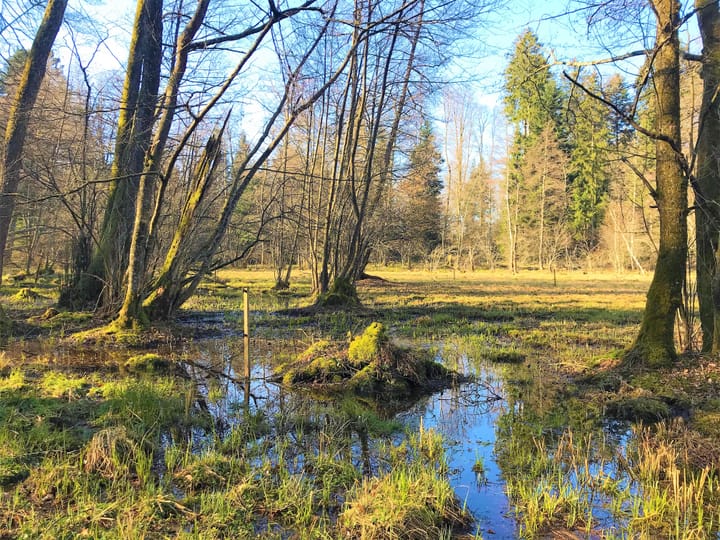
(246, 335)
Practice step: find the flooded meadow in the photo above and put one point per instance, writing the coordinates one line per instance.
(539, 435)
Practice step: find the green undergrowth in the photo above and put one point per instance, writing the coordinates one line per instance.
(413, 500)
(107, 455)
(574, 486)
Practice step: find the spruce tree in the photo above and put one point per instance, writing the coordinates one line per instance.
(419, 218)
(533, 102)
(589, 174)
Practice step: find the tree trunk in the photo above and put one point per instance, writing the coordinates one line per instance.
(19, 117)
(654, 345)
(707, 196)
(168, 286)
(102, 285)
(131, 312)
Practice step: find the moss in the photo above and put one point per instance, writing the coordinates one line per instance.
(148, 363)
(322, 362)
(647, 409)
(366, 381)
(318, 371)
(371, 365)
(319, 348)
(368, 346)
(26, 294)
(341, 293)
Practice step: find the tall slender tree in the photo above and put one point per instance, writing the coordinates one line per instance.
(588, 169)
(16, 129)
(654, 345)
(532, 104)
(418, 220)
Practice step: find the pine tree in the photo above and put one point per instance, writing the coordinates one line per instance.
(419, 219)
(589, 175)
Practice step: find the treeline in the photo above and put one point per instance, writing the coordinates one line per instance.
(555, 178)
(139, 188)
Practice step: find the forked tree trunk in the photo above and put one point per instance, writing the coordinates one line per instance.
(707, 196)
(102, 285)
(19, 117)
(131, 313)
(167, 289)
(654, 345)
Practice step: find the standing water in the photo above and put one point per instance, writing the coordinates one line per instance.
(482, 422)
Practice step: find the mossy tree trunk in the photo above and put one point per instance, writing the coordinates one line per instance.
(102, 285)
(188, 261)
(654, 345)
(132, 313)
(19, 116)
(169, 290)
(707, 194)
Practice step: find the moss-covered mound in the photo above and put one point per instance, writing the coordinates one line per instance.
(26, 294)
(370, 365)
(150, 363)
(341, 293)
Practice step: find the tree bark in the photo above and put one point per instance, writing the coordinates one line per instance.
(102, 285)
(131, 313)
(19, 117)
(167, 288)
(654, 345)
(707, 195)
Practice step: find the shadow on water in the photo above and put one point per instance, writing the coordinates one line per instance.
(493, 427)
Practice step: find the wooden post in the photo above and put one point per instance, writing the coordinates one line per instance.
(246, 334)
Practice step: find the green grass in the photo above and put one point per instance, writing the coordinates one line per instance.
(413, 500)
(107, 454)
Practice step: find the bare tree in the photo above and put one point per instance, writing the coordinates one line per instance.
(16, 129)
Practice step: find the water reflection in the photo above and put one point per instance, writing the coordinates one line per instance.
(466, 415)
(488, 424)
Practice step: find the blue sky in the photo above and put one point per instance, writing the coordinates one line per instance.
(567, 36)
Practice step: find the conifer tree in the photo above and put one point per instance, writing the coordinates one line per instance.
(532, 104)
(419, 218)
(589, 176)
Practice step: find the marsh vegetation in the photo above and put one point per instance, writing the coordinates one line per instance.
(546, 433)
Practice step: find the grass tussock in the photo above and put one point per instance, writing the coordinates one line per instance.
(110, 453)
(413, 501)
(648, 492)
